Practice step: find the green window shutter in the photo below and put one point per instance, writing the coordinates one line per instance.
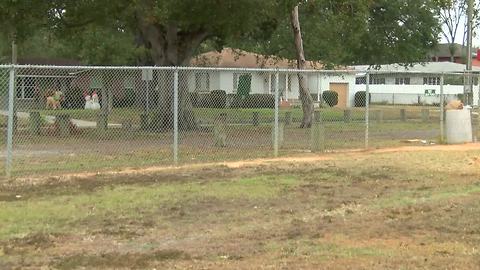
(244, 85)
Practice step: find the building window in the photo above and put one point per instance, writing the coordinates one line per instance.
(26, 88)
(360, 80)
(373, 80)
(402, 80)
(430, 92)
(377, 80)
(202, 82)
(431, 80)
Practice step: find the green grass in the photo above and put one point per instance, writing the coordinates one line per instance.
(410, 197)
(60, 214)
(325, 250)
(208, 115)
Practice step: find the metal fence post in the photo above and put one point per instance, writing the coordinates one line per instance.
(277, 105)
(442, 110)
(175, 116)
(367, 109)
(11, 96)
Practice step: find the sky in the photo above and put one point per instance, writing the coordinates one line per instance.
(476, 39)
(459, 40)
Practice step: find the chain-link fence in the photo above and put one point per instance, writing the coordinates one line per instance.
(108, 118)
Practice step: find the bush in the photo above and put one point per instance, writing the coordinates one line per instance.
(73, 99)
(330, 97)
(126, 100)
(218, 99)
(259, 101)
(194, 99)
(215, 99)
(360, 99)
(234, 101)
(203, 100)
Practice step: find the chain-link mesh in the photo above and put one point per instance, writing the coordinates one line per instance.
(4, 76)
(336, 122)
(108, 118)
(91, 119)
(232, 115)
(404, 109)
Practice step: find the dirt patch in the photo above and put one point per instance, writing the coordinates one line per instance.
(117, 260)
(37, 241)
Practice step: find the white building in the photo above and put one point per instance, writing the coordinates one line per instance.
(416, 84)
(232, 64)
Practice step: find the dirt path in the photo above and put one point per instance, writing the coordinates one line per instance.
(301, 158)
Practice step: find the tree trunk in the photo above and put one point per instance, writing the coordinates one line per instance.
(170, 47)
(305, 97)
(106, 91)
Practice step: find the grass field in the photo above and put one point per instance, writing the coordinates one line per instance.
(406, 208)
(207, 115)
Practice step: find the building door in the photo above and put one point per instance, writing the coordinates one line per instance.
(342, 90)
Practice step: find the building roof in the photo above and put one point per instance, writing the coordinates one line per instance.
(48, 61)
(235, 58)
(428, 67)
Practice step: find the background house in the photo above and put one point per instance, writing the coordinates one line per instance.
(33, 84)
(442, 54)
(234, 64)
(416, 84)
(233, 70)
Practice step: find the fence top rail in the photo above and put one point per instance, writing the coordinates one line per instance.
(272, 70)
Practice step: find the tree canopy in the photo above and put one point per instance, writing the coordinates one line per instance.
(170, 32)
(358, 32)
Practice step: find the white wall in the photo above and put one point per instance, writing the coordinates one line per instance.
(409, 94)
(317, 83)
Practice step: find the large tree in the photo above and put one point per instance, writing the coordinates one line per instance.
(349, 32)
(453, 15)
(172, 31)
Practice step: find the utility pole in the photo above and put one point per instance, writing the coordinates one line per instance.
(468, 91)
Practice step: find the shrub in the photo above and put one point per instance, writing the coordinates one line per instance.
(73, 99)
(194, 99)
(360, 99)
(259, 101)
(234, 101)
(218, 99)
(330, 97)
(130, 97)
(127, 99)
(214, 99)
(203, 100)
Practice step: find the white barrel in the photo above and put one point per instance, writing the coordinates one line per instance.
(458, 126)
